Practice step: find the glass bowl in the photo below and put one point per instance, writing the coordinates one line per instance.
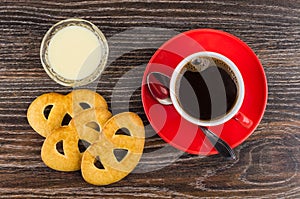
(45, 58)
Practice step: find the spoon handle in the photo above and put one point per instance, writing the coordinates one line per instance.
(220, 145)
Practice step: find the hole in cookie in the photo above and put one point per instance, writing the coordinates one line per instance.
(93, 125)
(98, 163)
(84, 105)
(120, 154)
(66, 120)
(47, 111)
(83, 145)
(60, 147)
(123, 131)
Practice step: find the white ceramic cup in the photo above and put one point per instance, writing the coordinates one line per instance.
(232, 113)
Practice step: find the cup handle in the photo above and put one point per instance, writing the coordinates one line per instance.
(243, 120)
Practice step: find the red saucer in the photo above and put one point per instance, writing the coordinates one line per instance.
(170, 125)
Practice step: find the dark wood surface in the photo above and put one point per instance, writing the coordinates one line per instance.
(268, 165)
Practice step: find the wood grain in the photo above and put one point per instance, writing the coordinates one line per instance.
(268, 165)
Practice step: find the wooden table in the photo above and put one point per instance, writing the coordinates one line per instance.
(268, 164)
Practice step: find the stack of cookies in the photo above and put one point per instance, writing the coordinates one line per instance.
(81, 133)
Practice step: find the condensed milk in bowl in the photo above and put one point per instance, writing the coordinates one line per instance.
(74, 52)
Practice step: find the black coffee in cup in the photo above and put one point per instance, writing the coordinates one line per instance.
(207, 88)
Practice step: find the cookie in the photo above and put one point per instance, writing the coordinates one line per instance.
(89, 124)
(58, 109)
(67, 160)
(103, 151)
(75, 139)
(85, 99)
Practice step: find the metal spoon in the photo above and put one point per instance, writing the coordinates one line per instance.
(158, 86)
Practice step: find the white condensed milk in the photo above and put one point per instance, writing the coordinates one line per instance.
(74, 52)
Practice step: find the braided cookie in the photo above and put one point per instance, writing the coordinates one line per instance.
(70, 158)
(103, 150)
